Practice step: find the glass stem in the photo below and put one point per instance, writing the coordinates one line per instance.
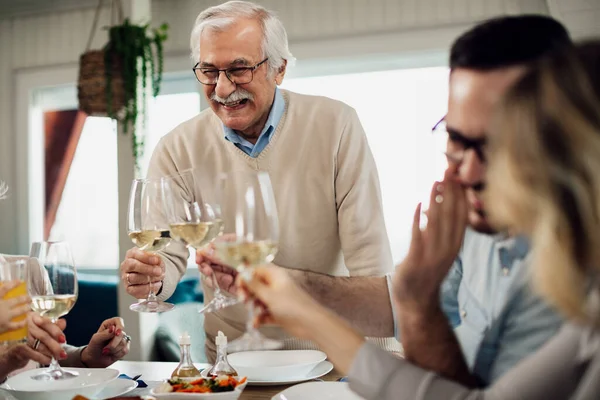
(216, 287)
(54, 365)
(151, 295)
(250, 322)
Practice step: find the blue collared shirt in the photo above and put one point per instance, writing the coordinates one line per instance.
(253, 150)
(497, 318)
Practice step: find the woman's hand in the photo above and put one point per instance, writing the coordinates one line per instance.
(279, 300)
(46, 337)
(43, 342)
(108, 345)
(12, 308)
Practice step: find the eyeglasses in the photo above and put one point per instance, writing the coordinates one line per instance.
(458, 145)
(237, 75)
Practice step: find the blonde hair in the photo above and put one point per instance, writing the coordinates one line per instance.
(544, 174)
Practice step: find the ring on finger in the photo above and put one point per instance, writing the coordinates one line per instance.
(439, 199)
(127, 338)
(36, 344)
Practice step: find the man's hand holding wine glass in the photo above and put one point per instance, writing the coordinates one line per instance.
(137, 267)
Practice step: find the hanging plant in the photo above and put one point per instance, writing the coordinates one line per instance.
(139, 52)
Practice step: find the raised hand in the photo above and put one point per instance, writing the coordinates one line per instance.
(433, 250)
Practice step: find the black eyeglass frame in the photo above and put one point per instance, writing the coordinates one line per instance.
(477, 145)
(228, 72)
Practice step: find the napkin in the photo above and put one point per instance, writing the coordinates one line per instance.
(141, 383)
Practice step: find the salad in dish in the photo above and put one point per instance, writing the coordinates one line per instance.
(219, 384)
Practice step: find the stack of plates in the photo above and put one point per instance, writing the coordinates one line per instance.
(279, 367)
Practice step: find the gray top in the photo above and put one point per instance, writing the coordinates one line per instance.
(566, 367)
(497, 318)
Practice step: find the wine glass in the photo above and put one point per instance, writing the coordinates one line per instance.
(194, 214)
(148, 229)
(52, 286)
(250, 239)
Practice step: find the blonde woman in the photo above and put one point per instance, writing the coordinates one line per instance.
(544, 182)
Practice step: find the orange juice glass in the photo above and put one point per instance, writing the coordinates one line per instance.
(14, 271)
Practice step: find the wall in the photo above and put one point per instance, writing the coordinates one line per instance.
(38, 35)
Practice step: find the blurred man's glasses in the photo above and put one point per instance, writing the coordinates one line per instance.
(457, 144)
(236, 75)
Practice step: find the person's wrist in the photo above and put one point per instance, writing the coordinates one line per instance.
(85, 358)
(415, 314)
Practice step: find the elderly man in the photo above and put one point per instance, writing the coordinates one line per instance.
(324, 177)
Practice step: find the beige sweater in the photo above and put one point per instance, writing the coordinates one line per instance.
(326, 189)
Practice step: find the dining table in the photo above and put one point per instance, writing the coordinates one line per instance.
(153, 373)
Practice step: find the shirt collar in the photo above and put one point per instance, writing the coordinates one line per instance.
(275, 115)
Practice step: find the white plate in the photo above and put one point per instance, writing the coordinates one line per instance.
(318, 390)
(89, 383)
(200, 396)
(322, 369)
(275, 364)
(116, 388)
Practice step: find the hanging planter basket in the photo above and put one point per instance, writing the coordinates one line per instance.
(91, 85)
(113, 82)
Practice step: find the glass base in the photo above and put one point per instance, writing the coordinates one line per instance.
(54, 375)
(151, 306)
(218, 303)
(253, 341)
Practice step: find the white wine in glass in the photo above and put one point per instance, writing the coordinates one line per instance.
(250, 239)
(148, 229)
(192, 201)
(53, 288)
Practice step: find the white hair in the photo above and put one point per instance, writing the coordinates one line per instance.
(275, 40)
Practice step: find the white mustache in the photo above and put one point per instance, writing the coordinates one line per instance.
(237, 95)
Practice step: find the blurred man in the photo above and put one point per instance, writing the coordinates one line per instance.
(485, 296)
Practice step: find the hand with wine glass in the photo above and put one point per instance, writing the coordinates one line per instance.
(148, 228)
(52, 286)
(250, 239)
(193, 207)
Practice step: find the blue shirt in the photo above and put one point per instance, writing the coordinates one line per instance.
(253, 150)
(497, 318)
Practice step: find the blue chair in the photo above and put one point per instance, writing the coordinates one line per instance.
(97, 302)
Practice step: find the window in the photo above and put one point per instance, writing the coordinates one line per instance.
(397, 109)
(87, 216)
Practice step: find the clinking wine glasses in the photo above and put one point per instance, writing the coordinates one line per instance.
(192, 202)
